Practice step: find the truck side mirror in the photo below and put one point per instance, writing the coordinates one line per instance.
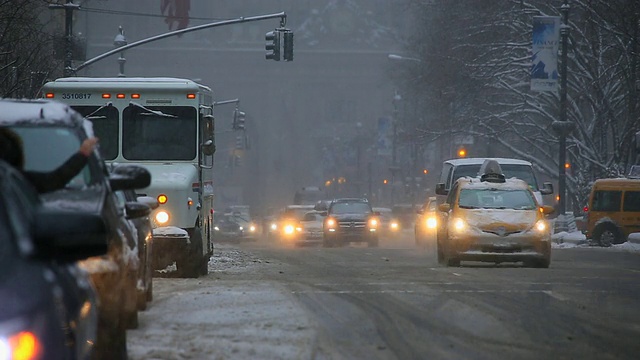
(208, 148)
(547, 188)
(440, 190)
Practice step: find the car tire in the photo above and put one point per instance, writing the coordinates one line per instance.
(149, 293)
(142, 300)
(607, 234)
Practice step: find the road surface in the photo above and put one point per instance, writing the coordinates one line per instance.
(266, 301)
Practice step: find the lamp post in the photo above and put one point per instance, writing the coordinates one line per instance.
(120, 41)
(563, 127)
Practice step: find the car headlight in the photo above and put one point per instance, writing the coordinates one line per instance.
(216, 228)
(331, 223)
(373, 223)
(541, 226)
(394, 225)
(240, 228)
(274, 226)
(459, 225)
(162, 217)
(252, 228)
(289, 229)
(16, 342)
(431, 223)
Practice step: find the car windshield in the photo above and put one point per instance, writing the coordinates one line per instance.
(496, 199)
(149, 133)
(60, 144)
(350, 208)
(520, 171)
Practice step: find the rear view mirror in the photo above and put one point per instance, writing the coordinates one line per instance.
(440, 190)
(547, 188)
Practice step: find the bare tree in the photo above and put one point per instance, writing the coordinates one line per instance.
(26, 56)
(483, 51)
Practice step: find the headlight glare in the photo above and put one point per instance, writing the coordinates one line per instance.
(162, 217)
(432, 223)
(541, 226)
(459, 225)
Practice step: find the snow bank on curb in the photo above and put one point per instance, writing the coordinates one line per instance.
(568, 239)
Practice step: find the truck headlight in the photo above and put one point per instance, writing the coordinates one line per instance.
(289, 229)
(162, 217)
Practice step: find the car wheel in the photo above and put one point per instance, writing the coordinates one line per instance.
(326, 242)
(142, 300)
(607, 234)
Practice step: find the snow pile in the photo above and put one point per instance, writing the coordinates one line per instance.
(565, 239)
(226, 258)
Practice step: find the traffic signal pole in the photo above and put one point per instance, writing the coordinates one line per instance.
(71, 71)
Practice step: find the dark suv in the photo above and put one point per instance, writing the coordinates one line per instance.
(350, 220)
(43, 300)
(51, 132)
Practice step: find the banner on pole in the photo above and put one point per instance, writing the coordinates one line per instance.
(385, 136)
(544, 58)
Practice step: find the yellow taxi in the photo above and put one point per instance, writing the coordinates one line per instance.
(613, 211)
(493, 219)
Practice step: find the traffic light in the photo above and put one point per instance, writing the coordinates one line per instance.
(462, 152)
(238, 120)
(273, 45)
(288, 46)
(239, 142)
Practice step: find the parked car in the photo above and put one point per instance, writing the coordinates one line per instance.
(44, 300)
(350, 220)
(60, 130)
(613, 211)
(137, 210)
(249, 227)
(494, 219)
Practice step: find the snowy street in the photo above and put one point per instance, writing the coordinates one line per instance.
(393, 302)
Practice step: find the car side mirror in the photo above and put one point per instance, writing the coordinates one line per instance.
(376, 213)
(126, 177)
(419, 211)
(136, 210)
(149, 201)
(444, 207)
(547, 209)
(440, 190)
(547, 188)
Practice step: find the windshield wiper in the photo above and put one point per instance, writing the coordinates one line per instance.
(90, 116)
(151, 112)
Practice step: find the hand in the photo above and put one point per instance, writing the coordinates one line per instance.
(88, 145)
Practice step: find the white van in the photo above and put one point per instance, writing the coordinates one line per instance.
(454, 169)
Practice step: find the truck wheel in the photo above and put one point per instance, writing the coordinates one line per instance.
(190, 263)
(607, 234)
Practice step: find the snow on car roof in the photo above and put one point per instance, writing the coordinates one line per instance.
(29, 111)
(41, 112)
(480, 161)
(509, 184)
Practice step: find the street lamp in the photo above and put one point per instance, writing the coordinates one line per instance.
(563, 127)
(120, 41)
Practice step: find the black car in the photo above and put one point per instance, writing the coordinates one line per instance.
(350, 220)
(51, 132)
(41, 303)
(227, 228)
(137, 210)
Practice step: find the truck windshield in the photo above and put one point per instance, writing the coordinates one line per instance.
(159, 132)
(105, 127)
